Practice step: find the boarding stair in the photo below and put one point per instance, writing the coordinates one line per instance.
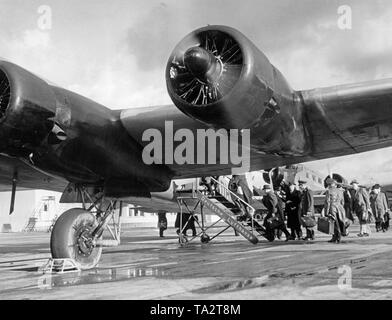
(220, 202)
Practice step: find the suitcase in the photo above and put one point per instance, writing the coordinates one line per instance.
(325, 225)
(308, 222)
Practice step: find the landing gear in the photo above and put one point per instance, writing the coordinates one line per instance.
(72, 238)
(78, 233)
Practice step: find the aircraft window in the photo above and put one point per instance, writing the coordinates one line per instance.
(314, 178)
(307, 175)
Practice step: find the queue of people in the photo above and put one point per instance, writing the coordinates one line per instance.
(342, 204)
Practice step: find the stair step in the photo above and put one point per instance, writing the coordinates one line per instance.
(227, 215)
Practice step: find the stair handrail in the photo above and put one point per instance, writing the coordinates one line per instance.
(252, 209)
(233, 194)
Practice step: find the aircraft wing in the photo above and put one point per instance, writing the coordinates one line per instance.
(138, 120)
(349, 119)
(28, 177)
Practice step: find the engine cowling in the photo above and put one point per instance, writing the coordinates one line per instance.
(217, 76)
(27, 109)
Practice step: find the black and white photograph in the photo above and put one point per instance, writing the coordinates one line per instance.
(214, 151)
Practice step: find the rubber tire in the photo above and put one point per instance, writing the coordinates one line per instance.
(258, 216)
(205, 238)
(63, 238)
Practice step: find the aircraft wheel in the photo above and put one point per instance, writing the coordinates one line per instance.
(71, 238)
(204, 238)
(258, 216)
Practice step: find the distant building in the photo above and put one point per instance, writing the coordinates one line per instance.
(31, 205)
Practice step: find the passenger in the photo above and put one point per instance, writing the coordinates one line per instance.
(162, 222)
(281, 195)
(361, 207)
(387, 218)
(293, 199)
(334, 209)
(275, 217)
(348, 205)
(379, 207)
(239, 186)
(210, 184)
(188, 223)
(306, 210)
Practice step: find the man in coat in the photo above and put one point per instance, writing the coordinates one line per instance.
(348, 205)
(185, 221)
(361, 207)
(306, 209)
(275, 217)
(293, 199)
(162, 222)
(379, 207)
(334, 209)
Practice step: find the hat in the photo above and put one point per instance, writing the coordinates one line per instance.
(301, 182)
(354, 182)
(267, 187)
(330, 181)
(376, 186)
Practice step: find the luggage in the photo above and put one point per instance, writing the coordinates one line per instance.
(325, 225)
(308, 222)
(274, 223)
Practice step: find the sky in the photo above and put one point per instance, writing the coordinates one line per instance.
(115, 52)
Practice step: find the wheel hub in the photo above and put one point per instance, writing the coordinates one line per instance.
(85, 242)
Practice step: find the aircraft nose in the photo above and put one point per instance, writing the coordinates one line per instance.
(202, 64)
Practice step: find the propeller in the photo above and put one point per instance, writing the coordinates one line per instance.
(205, 67)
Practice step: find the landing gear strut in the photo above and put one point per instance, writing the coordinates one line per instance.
(78, 233)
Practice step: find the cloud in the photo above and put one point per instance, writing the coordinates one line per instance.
(149, 39)
(122, 64)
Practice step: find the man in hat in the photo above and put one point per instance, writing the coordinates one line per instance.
(334, 209)
(306, 209)
(293, 199)
(379, 207)
(275, 217)
(361, 207)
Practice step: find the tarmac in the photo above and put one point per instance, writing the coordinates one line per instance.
(145, 266)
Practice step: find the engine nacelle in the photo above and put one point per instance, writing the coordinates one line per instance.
(218, 76)
(27, 109)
